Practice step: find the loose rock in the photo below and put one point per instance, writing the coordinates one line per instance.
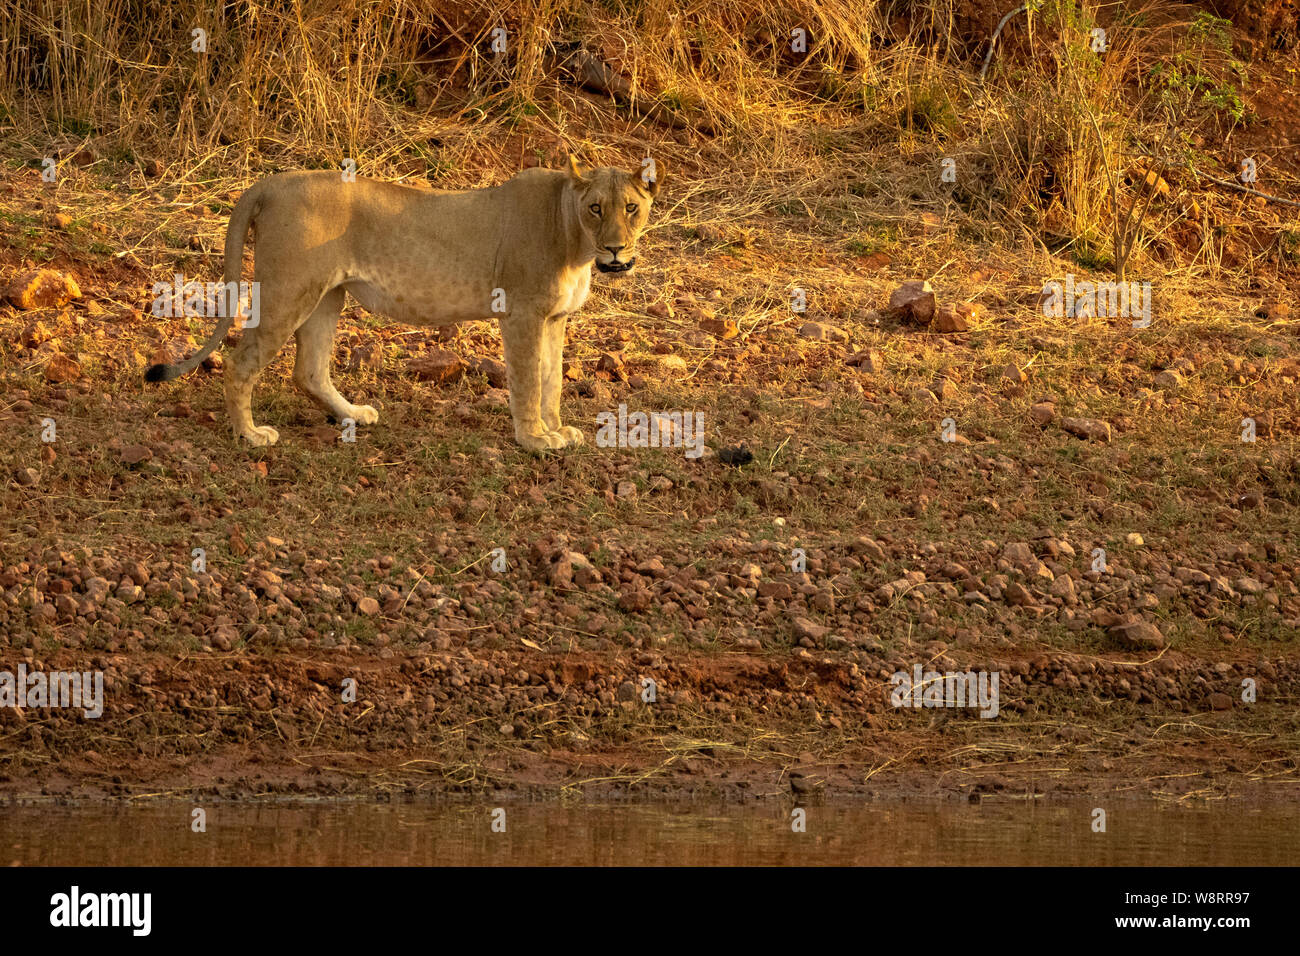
(914, 301)
(43, 289)
(439, 367)
(1089, 428)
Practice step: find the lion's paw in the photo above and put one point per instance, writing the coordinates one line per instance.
(573, 437)
(261, 435)
(540, 443)
(364, 414)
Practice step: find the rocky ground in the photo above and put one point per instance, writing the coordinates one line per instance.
(231, 684)
(769, 602)
(918, 467)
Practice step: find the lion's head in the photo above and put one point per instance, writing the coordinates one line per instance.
(612, 207)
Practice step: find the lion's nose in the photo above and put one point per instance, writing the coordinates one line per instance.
(615, 250)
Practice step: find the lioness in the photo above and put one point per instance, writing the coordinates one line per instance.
(520, 252)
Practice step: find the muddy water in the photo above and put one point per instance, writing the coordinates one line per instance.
(542, 834)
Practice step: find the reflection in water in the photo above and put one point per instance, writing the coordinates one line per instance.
(872, 834)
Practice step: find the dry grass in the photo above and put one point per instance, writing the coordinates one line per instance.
(820, 172)
(418, 92)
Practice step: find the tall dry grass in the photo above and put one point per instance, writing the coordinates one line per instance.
(413, 87)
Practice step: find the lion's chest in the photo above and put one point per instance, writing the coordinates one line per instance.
(574, 286)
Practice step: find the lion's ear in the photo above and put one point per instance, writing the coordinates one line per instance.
(650, 174)
(575, 170)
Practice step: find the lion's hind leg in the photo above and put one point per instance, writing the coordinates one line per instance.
(258, 345)
(311, 370)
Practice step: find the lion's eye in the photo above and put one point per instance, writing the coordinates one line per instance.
(595, 208)
(631, 208)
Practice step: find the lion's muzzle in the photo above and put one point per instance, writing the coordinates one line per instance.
(616, 267)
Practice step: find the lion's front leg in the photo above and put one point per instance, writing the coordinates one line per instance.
(553, 379)
(523, 337)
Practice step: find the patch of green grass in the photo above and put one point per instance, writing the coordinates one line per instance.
(21, 219)
(76, 125)
(930, 109)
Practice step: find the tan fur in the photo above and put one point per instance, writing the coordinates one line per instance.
(426, 258)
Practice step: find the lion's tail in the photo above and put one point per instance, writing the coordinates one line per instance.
(244, 214)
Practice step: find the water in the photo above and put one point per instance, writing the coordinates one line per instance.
(864, 834)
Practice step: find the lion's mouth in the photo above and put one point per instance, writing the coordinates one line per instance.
(617, 265)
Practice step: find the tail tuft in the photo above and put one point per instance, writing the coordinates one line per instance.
(160, 373)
